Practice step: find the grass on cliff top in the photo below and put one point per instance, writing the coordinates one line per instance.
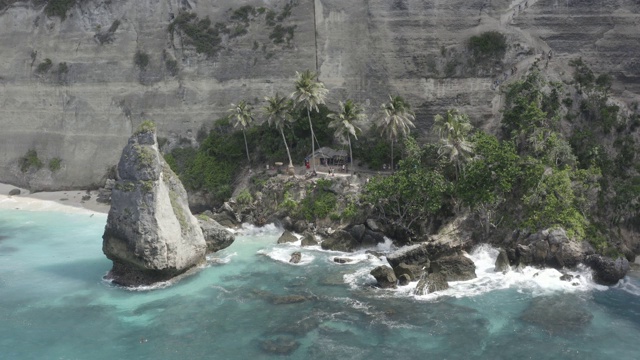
(146, 126)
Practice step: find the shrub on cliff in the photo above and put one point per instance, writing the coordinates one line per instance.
(490, 44)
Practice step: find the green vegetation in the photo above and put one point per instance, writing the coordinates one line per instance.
(178, 211)
(282, 34)
(55, 164)
(146, 126)
(319, 202)
(30, 160)
(395, 121)
(488, 45)
(59, 8)
(141, 59)
(244, 198)
(199, 32)
(44, 66)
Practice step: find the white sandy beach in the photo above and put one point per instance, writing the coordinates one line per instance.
(63, 201)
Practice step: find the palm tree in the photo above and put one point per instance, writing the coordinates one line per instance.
(453, 130)
(242, 116)
(345, 122)
(278, 113)
(396, 120)
(309, 93)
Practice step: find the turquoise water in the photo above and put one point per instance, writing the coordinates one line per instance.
(55, 305)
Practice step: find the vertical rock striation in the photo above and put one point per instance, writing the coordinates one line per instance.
(150, 234)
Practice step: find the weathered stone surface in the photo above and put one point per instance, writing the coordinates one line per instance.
(373, 225)
(502, 262)
(419, 254)
(308, 239)
(372, 238)
(431, 283)
(296, 256)
(215, 235)
(607, 271)
(342, 260)
(357, 231)
(404, 280)
(414, 272)
(416, 49)
(13, 192)
(340, 241)
(455, 267)
(385, 277)
(150, 234)
(287, 237)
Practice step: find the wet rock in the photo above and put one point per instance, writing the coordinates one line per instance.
(566, 277)
(288, 299)
(372, 238)
(295, 257)
(431, 283)
(151, 234)
(287, 237)
(607, 271)
(557, 237)
(385, 277)
(414, 272)
(215, 235)
(300, 226)
(279, 346)
(225, 220)
(540, 250)
(419, 254)
(308, 239)
(502, 262)
(342, 260)
(14, 192)
(455, 267)
(404, 280)
(558, 314)
(571, 253)
(340, 241)
(524, 255)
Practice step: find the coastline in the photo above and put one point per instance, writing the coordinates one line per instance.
(69, 201)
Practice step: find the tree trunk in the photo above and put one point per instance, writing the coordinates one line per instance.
(313, 145)
(350, 155)
(392, 169)
(287, 147)
(246, 146)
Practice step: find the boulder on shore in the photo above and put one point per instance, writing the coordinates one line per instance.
(431, 283)
(150, 234)
(607, 271)
(385, 277)
(502, 262)
(340, 241)
(296, 256)
(287, 237)
(455, 267)
(216, 236)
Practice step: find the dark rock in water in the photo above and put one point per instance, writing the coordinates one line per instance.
(150, 234)
(377, 254)
(566, 277)
(340, 241)
(288, 299)
(372, 238)
(524, 255)
(455, 267)
(357, 231)
(341, 260)
(295, 257)
(558, 314)
(404, 280)
(414, 272)
(280, 345)
(308, 239)
(287, 237)
(301, 327)
(502, 262)
(225, 220)
(607, 271)
(13, 192)
(540, 251)
(419, 254)
(287, 223)
(431, 283)
(385, 277)
(215, 235)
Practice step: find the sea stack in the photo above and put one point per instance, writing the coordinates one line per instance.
(150, 235)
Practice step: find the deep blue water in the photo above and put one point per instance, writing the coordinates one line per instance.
(55, 305)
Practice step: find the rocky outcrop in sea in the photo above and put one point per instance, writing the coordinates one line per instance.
(150, 235)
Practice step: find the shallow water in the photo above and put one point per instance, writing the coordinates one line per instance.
(249, 302)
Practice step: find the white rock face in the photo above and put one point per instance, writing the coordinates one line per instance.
(150, 234)
(363, 49)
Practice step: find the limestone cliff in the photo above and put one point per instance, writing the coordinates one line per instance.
(75, 89)
(150, 234)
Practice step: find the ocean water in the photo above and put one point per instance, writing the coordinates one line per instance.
(248, 302)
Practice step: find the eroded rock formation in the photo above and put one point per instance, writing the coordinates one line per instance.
(150, 234)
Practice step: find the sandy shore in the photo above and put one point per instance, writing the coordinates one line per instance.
(63, 201)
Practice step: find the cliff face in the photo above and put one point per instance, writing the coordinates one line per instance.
(71, 89)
